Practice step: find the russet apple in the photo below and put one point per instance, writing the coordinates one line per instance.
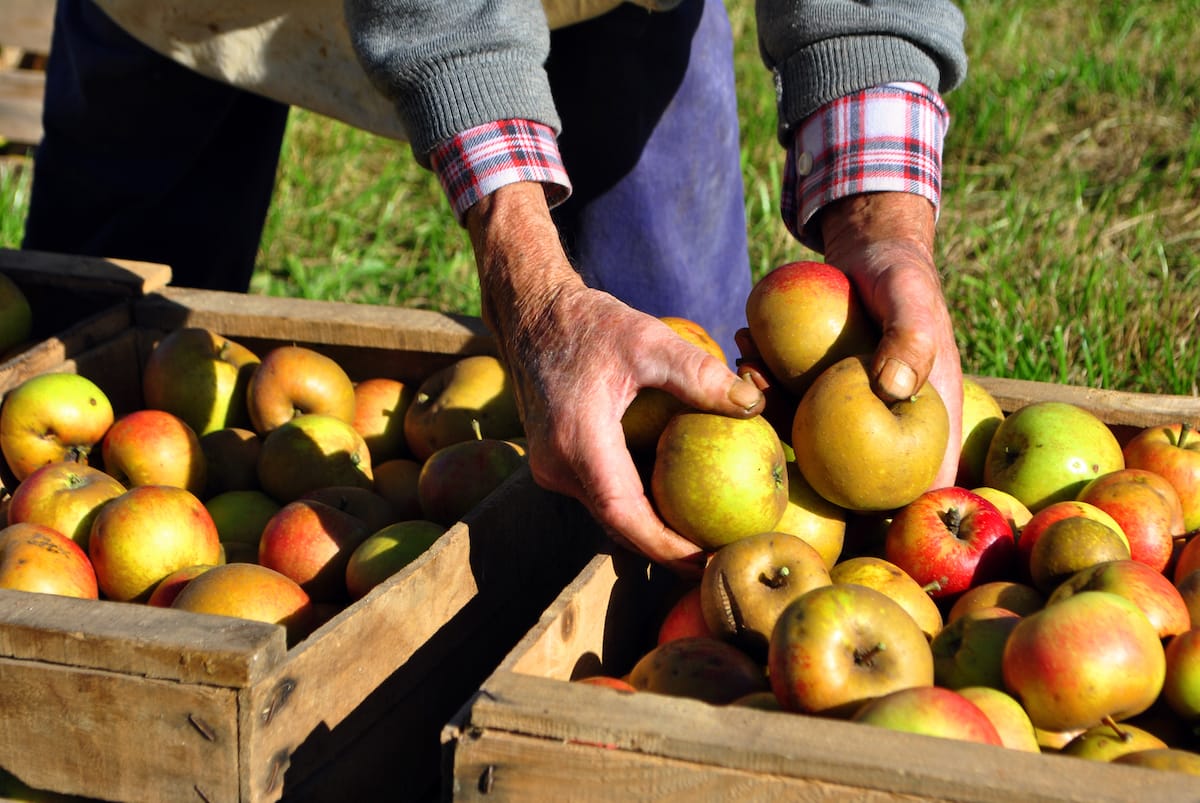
(1006, 714)
(387, 551)
(146, 533)
(396, 480)
(310, 451)
(967, 651)
(1011, 595)
(884, 576)
(747, 583)
(803, 317)
(981, 416)
(1090, 656)
(1154, 594)
(838, 646)
(1045, 452)
(16, 316)
(457, 477)
(311, 542)
(1173, 452)
(717, 479)
(652, 408)
(379, 407)
(201, 377)
(473, 393)
(931, 711)
(949, 539)
(1072, 545)
(52, 417)
(64, 496)
(1146, 506)
(813, 518)
(296, 380)
(698, 668)
(250, 591)
(240, 517)
(860, 452)
(1038, 522)
(34, 557)
(154, 447)
(231, 457)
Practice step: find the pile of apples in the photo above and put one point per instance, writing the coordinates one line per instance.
(1049, 601)
(268, 487)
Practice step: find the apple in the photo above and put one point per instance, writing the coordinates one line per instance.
(698, 668)
(366, 504)
(760, 700)
(813, 518)
(146, 533)
(885, 576)
(396, 480)
(1146, 506)
(1090, 656)
(981, 416)
(1072, 545)
(52, 417)
(949, 539)
(474, 392)
(1057, 511)
(1009, 506)
(685, 617)
(1189, 589)
(231, 458)
(64, 496)
(379, 407)
(240, 517)
(457, 477)
(931, 711)
(169, 587)
(16, 316)
(312, 451)
(1171, 759)
(860, 452)
(607, 682)
(747, 583)
(1045, 452)
(1150, 590)
(717, 479)
(34, 557)
(652, 408)
(967, 651)
(311, 542)
(1006, 714)
(838, 646)
(154, 447)
(250, 591)
(1181, 685)
(201, 377)
(803, 317)
(1011, 595)
(387, 551)
(1173, 452)
(1106, 741)
(296, 380)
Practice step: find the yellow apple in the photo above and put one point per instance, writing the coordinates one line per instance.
(52, 417)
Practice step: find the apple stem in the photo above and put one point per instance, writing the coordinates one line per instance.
(866, 657)
(1185, 537)
(77, 454)
(777, 579)
(475, 428)
(1185, 429)
(1123, 735)
(936, 585)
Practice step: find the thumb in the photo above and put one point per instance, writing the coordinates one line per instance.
(705, 383)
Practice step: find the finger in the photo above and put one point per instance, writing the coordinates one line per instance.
(703, 382)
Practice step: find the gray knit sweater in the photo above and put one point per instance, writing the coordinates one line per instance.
(449, 65)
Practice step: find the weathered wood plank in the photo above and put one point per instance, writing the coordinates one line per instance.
(27, 24)
(1115, 407)
(113, 277)
(21, 94)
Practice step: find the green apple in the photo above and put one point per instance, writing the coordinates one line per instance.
(884, 576)
(473, 394)
(388, 551)
(52, 417)
(1108, 740)
(717, 479)
(240, 517)
(16, 316)
(1181, 688)
(1045, 452)
(967, 651)
(201, 377)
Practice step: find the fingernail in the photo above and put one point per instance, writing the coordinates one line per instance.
(745, 395)
(897, 379)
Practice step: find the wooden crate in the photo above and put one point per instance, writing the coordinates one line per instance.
(530, 734)
(25, 30)
(126, 702)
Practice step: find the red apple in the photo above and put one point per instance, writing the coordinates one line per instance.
(49, 418)
(36, 558)
(311, 542)
(950, 539)
(379, 407)
(1007, 715)
(931, 711)
(684, 618)
(805, 316)
(250, 591)
(64, 496)
(145, 534)
(1090, 656)
(1150, 590)
(1146, 506)
(169, 587)
(297, 380)
(201, 377)
(154, 447)
(1173, 452)
(838, 646)
(312, 451)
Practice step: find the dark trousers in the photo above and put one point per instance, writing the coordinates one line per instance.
(144, 159)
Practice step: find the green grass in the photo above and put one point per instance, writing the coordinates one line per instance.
(1069, 237)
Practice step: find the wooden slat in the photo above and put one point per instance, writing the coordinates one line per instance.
(1120, 408)
(21, 93)
(27, 24)
(113, 277)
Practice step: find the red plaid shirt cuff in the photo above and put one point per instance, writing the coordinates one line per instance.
(480, 160)
(886, 138)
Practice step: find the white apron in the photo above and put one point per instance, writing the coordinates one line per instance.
(294, 51)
